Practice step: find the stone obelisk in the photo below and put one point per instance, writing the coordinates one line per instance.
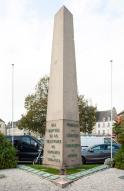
(62, 139)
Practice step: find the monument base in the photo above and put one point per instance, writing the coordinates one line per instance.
(62, 144)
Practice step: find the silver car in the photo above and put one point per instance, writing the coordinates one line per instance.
(98, 153)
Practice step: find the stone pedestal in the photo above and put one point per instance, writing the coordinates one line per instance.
(62, 139)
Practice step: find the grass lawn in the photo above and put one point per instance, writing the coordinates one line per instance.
(68, 171)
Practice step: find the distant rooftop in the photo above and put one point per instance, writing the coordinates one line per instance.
(121, 113)
(105, 115)
(1, 120)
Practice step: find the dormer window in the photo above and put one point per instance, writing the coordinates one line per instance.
(103, 119)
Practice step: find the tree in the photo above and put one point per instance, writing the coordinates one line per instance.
(87, 115)
(118, 129)
(36, 107)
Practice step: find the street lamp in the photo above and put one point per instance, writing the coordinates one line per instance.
(12, 102)
(111, 61)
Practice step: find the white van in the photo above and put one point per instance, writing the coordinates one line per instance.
(87, 141)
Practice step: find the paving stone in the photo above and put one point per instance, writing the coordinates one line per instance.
(41, 173)
(36, 171)
(65, 179)
(70, 177)
(30, 169)
(53, 177)
(46, 175)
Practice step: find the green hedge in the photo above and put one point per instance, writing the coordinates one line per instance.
(7, 154)
(118, 129)
(119, 158)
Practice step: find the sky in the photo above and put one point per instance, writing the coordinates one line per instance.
(26, 29)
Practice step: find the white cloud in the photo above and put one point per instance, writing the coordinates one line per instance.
(26, 38)
(22, 43)
(99, 29)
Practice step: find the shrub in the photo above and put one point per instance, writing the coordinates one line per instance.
(118, 129)
(7, 154)
(119, 158)
(110, 162)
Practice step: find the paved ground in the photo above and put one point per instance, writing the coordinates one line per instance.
(19, 180)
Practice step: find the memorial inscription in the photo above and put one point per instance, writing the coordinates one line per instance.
(53, 140)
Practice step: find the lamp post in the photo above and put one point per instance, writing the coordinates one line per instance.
(12, 102)
(111, 61)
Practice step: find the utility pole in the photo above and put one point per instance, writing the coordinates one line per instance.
(111, 62)
(12, 102)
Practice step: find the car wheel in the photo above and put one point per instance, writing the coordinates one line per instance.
(83, 160)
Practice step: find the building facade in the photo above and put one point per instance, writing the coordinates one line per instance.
(17, 131)
(2, 127)
(103, 122)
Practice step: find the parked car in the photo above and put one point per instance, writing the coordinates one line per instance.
(27, 147)
(98, 153)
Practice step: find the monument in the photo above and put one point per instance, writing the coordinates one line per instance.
(62, 139)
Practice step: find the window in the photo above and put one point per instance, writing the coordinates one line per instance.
(98, 132)
(108, 124)
(98, 148)
(98, 124)
(103, 125)
(33, 142)
(107, 140)
(108, 131)
(103, 132)
(103, 118)
(26, 140)
(108, 147)
(108, 118)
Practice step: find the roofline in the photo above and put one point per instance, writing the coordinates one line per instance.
(2, 120)
(122, 112)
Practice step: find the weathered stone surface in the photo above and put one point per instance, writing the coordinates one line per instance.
(62, 139)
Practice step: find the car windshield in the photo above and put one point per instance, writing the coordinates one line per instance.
(40, 141)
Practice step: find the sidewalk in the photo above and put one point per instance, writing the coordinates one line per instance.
(19, 180)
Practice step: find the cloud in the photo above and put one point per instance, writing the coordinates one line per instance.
(26, 39)
(99, 29)
(23, 44)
